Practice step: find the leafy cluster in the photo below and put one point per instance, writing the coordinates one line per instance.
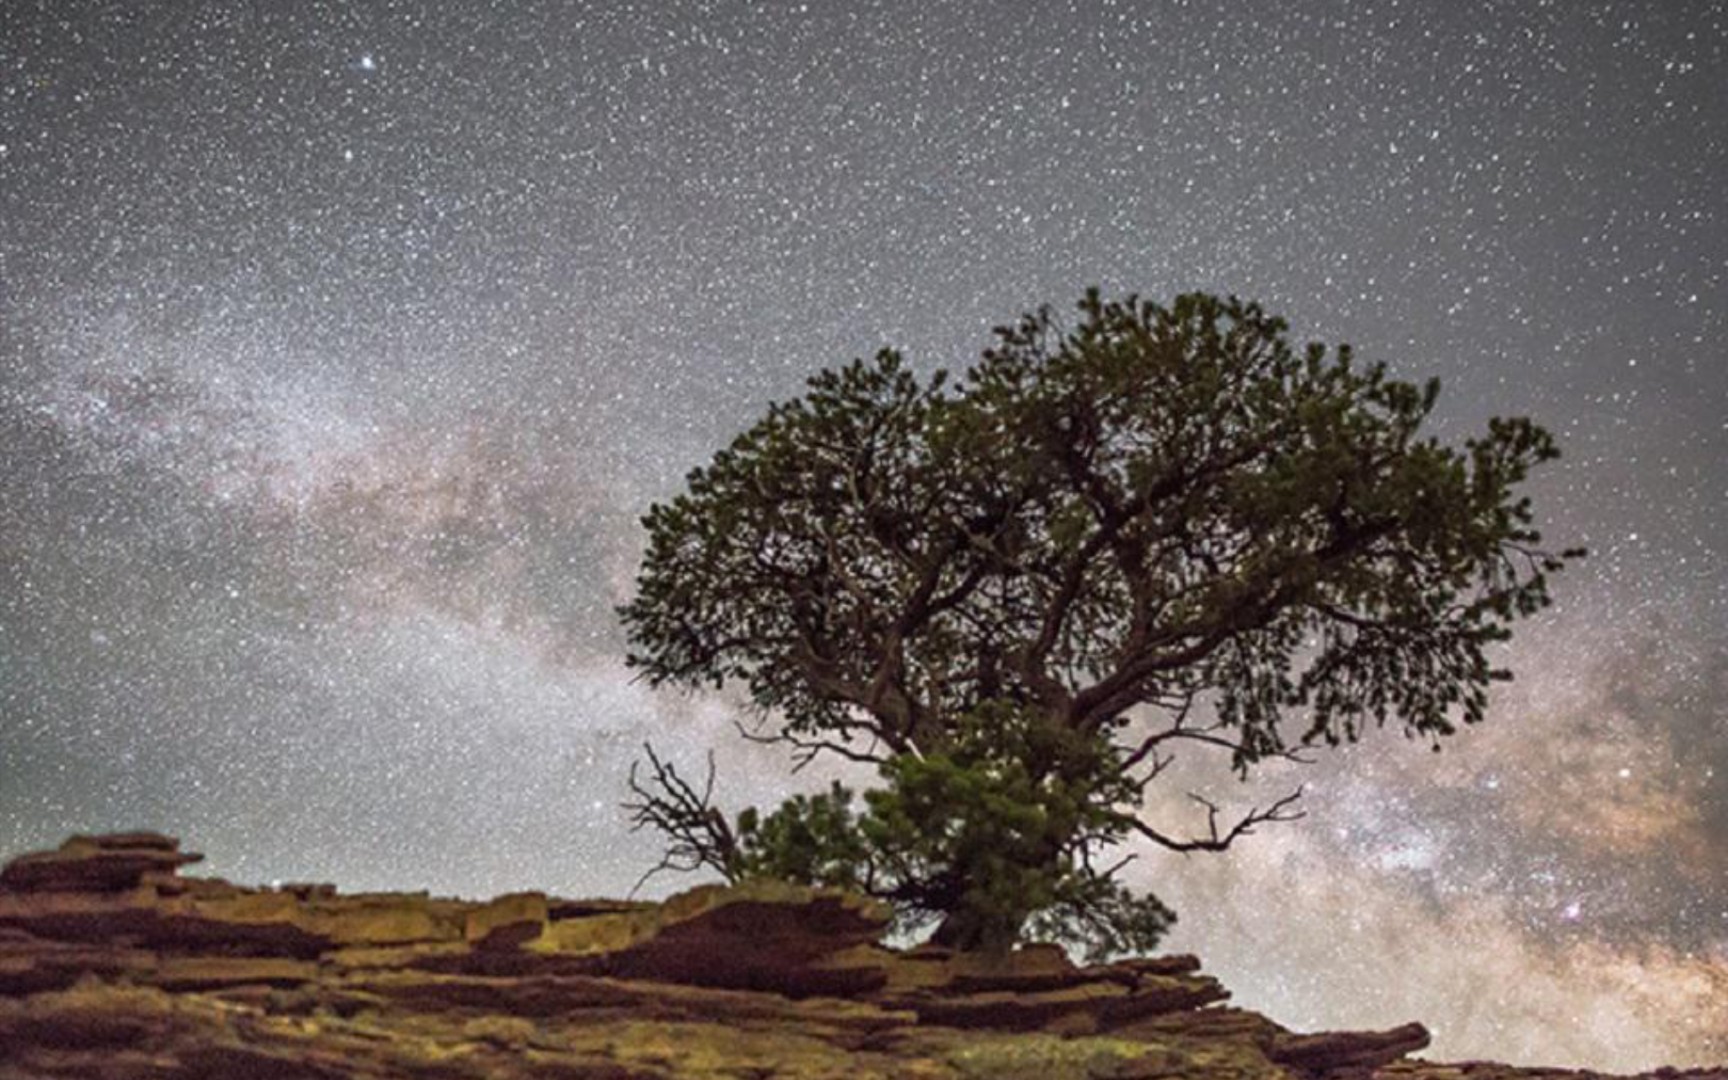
(1017, 592)
(1002, 827)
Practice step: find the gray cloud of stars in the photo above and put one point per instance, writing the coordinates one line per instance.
(341, 346)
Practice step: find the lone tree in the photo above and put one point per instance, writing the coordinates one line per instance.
(1016, 593)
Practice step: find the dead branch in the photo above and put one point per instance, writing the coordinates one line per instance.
(1206, 735)
(696, 832)
(1216, 841)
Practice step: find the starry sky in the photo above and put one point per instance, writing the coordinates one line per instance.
(343, 344)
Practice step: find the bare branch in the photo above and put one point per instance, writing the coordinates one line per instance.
(805, 750)
(1206, 736)
(1160, 762)
(1216, 841)
(697, 833)
(1114, 868)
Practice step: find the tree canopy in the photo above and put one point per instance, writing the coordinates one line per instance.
(1016, 592)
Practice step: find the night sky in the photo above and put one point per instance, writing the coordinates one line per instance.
(342, 346)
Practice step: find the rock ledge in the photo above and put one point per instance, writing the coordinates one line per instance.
(113, 965)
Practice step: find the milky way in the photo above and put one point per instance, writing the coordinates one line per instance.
(341, 347)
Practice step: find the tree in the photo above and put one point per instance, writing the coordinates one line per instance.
(1018, 592)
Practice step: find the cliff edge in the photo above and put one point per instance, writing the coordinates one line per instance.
(114, 965)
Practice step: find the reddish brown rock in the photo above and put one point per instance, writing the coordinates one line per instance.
(32, 965)
(560, 909)
(1158, 995)
(1212, 1024)
(507, 922)
(378, 919)
(1178, 964)
(1408, 1069)
(308, 890)
(1081, 1006)
(1030, 969)
(1336, 1051)
(99, 864)
(181, 973)
(150, 922)
(763, 935)
(114, 966)
(1006, 1011)
(596, 999)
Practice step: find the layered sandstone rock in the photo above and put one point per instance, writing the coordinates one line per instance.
(113, 965)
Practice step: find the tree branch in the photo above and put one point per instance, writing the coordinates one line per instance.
(806, 750)
(1205, 735)
(697, 833)
(1214, 840)
(1254, 606)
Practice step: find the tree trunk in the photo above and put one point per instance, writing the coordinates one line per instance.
(969, 930)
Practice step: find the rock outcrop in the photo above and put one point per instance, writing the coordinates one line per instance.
(113, 965)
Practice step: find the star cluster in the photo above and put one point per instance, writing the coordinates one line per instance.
(341, 346)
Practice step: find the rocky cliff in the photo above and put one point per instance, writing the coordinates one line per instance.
(114, 965)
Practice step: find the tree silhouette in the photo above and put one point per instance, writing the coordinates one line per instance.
(1016, 593)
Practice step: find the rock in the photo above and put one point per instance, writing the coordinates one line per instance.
(1334, 1051)
(1046, 1057)
(1002, 1010)
(605, 932)
(396, 957)
(557, 909)
(507, 922)
(144, 919)
(1157, 995)
(31, 965)
(181, 973)
(114, 966)
(372, 919)
(1208, 1024)
(243, 1061)
(1033, 968)
(1030, 969)
(225, 937)
(1179, 964)
(308, 890)
(602, 998)
(1079, 1005)
(759, 935)
(102, 864)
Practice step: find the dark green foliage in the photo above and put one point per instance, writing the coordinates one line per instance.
(1015, 592)
(998, 828)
